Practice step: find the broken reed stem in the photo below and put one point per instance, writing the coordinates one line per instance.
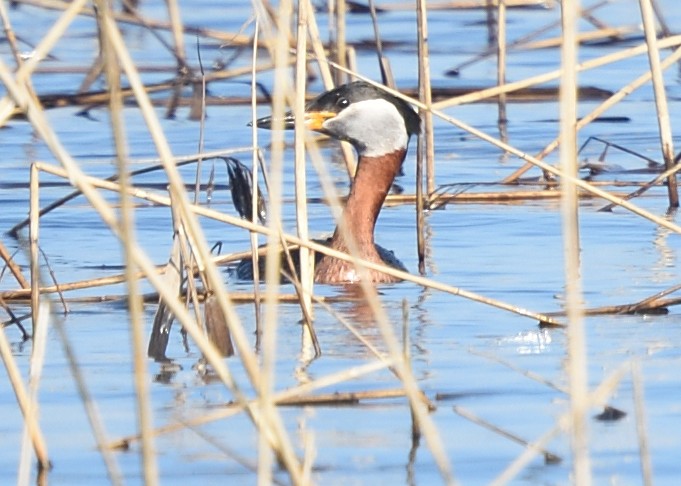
(127, 232)
(426, 140)
(576, 343)
(501, 66)
(666, 143)
(549, 457)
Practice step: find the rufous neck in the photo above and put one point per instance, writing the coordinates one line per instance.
(370, 186)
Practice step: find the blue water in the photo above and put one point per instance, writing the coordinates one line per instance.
(507, 251)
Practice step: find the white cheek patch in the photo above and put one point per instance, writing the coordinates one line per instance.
(375, 126)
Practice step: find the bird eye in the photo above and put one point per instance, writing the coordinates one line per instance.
(342, 102)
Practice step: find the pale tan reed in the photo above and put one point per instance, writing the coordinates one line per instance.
(24, 401)
(426, 140)
(576, 362)
(306, 262)
(280, 35)
(141, 376)
(666, 144)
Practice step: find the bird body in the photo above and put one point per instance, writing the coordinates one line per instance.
(379, 126)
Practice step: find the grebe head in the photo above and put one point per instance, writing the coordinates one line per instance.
(373, 121)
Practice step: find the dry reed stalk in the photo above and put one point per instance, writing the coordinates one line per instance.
(383, 61)
(199, 210)
(255, 188)
(666, 143)
(10, 37)
(582, 37)
(501, 65)
(637, 389)
(596, 112)
(327, 79)
(318, 48)
(306, 258)
(34, 256)
(24, 401)
(549, 457)
(36, 364)
(269, 336)
(533, 160)
(553, 75)
(341, 398)
(576, 339)
(426, 140)
(179, 52)
(526, 373)
(127, 232)
(441, 199)
(206, 347)
(339, 42)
